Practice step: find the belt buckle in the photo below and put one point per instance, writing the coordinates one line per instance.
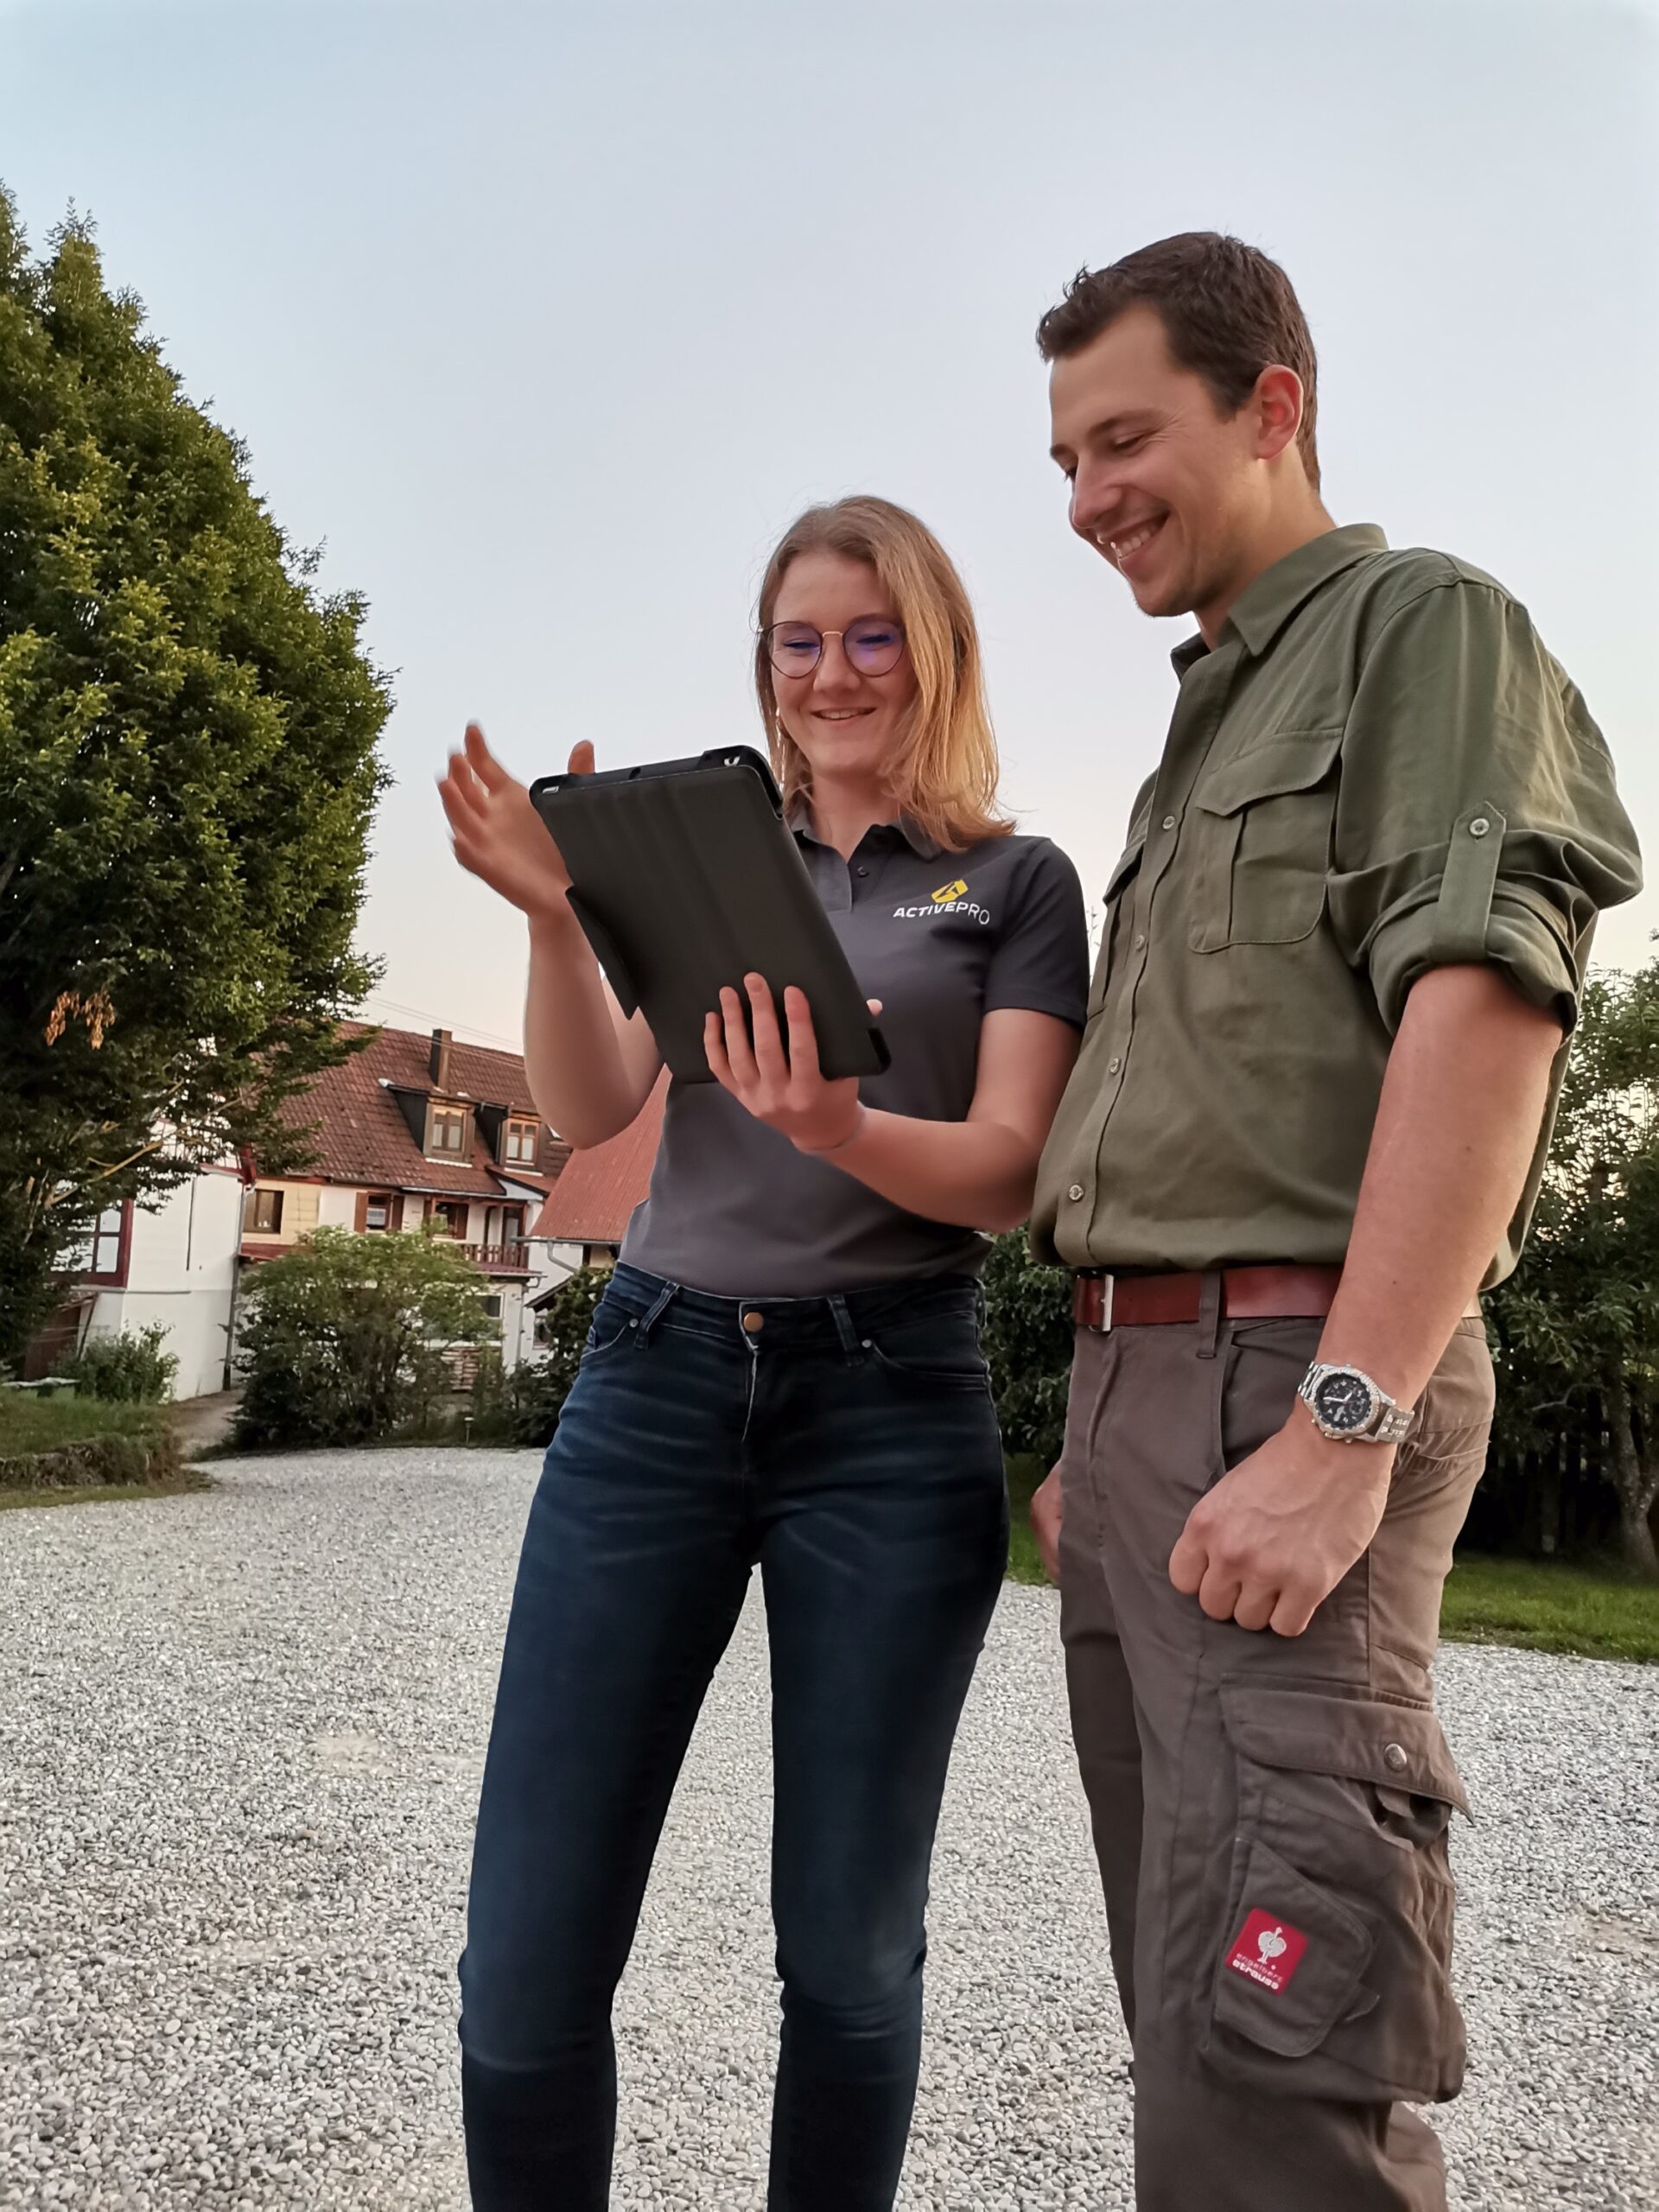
(1108, 1283)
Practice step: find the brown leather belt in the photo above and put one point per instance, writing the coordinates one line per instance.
(1261, 1293)
(1264, 1294)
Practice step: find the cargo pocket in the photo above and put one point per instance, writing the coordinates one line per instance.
(1333, 1973)
(1262, 823)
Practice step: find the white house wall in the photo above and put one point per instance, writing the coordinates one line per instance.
(181, 1272)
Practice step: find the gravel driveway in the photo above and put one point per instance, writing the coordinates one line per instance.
(239, 1737)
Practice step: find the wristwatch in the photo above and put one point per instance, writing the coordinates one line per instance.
(1350, 1409)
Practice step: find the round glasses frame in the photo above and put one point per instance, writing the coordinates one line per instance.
(867, 655)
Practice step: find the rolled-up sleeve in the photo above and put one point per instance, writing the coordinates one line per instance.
(1476, 821)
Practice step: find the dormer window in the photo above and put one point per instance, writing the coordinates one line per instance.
(518, 1144)
(445, 1131)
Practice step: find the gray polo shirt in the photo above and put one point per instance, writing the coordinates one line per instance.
(942, 939)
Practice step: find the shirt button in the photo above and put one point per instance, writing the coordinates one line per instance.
(863, 871)
(1141, 943)
(1395, 1757)
(1113, 1065)
(1479, 827)
(1169, 822)
(1075, 1192)
(755, 1323)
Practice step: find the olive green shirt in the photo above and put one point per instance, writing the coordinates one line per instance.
(1378, 771)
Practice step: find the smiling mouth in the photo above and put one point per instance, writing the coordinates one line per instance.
(1123, 547)
(840, 713)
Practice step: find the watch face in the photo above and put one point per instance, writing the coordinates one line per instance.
(1345, 1401)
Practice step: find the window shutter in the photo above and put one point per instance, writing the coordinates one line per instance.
(362, 1212)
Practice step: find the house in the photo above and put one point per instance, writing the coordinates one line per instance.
(586, 1215)
(413, 1130)
(177, 1264)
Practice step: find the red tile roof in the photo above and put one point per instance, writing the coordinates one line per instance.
(363, 1139)
(599, 1189)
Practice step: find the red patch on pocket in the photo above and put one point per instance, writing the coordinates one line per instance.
(1266, 1951)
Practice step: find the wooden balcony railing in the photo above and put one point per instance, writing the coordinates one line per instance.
(500, 1259)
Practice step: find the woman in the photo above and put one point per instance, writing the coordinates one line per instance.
(784, 1369)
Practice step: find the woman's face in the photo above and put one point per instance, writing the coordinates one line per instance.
(845, 722)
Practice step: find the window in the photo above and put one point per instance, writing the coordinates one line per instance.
(521, 1142)
(104, 1257)
(377, 1210)
(264, 1213)
(492, 1308)
(449, 1215)
(447, 1131)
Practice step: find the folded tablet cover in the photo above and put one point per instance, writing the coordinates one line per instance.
(684, 877)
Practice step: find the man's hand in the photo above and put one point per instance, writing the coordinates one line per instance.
(1270, 1542)
(1046, 1523)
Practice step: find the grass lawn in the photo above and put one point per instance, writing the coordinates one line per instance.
(31, 1424)
(108, 1494)
(1535, 1603)
(1545, 1606)
(1025, 1471)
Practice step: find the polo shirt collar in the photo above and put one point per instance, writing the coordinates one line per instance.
(799, 818)
(1259, 614)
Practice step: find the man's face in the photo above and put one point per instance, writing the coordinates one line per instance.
(1163, 484)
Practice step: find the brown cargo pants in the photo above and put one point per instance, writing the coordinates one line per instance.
(1271, 1813)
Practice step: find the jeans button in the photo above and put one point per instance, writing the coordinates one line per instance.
(754, 1322)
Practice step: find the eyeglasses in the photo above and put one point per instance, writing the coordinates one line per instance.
(873, 644)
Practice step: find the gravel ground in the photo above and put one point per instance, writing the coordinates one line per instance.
(241, 1734)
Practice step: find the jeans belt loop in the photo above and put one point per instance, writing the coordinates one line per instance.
(844, 1328)
(659, 1306)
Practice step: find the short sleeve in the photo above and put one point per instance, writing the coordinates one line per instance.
(1040, 959)
(1477, 820)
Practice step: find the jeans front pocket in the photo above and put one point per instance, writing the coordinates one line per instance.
(942, 1349)
(615, 1322)
(1263, 821)
(1332, 1974)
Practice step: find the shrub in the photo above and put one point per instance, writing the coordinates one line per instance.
(344, 1338)
(1028, 1338)
(132, 1365)
(523, 1407)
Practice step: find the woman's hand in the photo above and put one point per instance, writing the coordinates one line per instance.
(498, 836)
(787, 1092)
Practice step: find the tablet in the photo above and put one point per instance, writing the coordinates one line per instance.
(684, 877)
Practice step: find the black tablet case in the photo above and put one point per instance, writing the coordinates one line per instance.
(685, 876)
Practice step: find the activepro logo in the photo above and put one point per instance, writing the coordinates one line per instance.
(948, 898)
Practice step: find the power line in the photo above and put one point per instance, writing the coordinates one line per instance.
(435, 1021)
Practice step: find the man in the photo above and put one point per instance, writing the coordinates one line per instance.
(1342, 953)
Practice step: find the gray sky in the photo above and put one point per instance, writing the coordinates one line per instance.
(547, 318)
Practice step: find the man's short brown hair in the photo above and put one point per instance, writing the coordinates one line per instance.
(1228, 313)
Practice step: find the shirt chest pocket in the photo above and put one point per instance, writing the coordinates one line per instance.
(1261, 832)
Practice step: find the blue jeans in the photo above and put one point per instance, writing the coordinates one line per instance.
(851, 1446)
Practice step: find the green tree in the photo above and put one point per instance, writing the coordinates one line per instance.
(188, 771)
(1578, 1326)
(1028, 1338)
(343, 1339)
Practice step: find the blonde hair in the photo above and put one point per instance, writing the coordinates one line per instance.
(944, 773)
